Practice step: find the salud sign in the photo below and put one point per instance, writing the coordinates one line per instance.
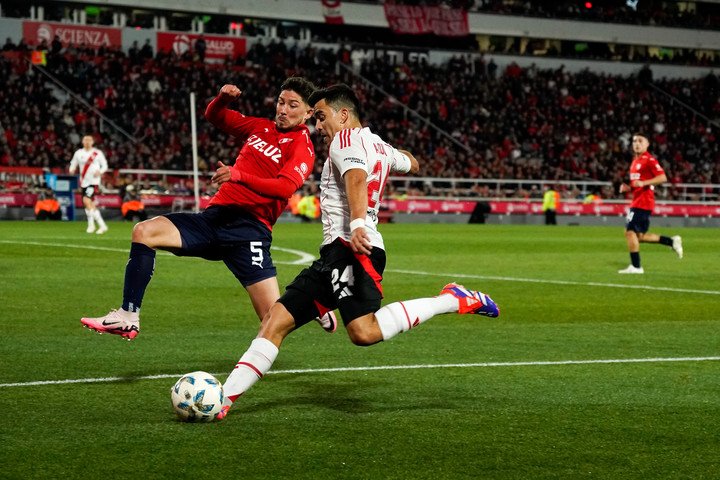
(217, 47)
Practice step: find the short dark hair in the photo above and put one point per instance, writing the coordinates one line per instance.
(641, 134)
(338, 96)
(301, 86)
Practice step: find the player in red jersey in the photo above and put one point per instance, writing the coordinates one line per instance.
(645, 174)
(237, 226)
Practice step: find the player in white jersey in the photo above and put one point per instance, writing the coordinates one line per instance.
(348, 274)
(90, 163)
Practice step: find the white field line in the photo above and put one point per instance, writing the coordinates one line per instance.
(555, 282)
(382, 367)
(306, 258)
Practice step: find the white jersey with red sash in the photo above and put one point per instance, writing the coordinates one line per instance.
(356, 148)
(91, 165)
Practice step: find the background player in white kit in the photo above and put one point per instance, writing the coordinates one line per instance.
(90, 163)
(348, 274)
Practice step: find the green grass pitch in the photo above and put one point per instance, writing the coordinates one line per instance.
(507, 409)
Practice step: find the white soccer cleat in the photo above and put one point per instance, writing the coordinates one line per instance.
(101, 230)
(117, 322)
(631, 269)
(677, 245)
(91, 229)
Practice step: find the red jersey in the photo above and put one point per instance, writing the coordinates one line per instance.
(644, 167)
(267, 153)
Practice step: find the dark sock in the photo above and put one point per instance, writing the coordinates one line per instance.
(666, 240)
(635, 259)
(139, 270)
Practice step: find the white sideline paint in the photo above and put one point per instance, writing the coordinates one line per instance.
(382, 367)
(307, 258)
(556, 282)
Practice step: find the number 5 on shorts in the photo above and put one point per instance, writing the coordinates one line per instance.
(256, 248)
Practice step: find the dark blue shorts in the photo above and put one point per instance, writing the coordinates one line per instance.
(339, 279)
(638, 220)
(229, 234)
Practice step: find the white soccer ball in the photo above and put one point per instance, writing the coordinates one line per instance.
(197, 397)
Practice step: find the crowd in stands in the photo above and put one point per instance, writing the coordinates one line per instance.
(515, 123)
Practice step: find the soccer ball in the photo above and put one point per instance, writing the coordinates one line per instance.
(197, 397)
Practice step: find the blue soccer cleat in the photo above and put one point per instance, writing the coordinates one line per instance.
(471, 301)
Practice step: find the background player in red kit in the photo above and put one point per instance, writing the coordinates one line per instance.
(237, 226)
(645, 173)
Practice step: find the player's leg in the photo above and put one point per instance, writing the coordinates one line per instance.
(637, 223)
(89, 210)
(259, 357)
(263, 295)
(674, 242)
(296, 307)
(306, 298)
(147, 236)
(399, 317)
(102, 226)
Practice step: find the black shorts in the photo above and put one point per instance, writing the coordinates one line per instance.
(228, 234)
(90, 191)
(638, 220)
(339, 279)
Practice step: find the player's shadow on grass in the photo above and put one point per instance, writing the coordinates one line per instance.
(350, 397)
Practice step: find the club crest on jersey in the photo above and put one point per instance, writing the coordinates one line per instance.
(270, 151)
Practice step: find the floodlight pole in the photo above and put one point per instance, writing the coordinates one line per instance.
(193, 134)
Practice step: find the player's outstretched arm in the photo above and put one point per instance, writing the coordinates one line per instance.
(229, 121)
(280, 187)
(414, 164)
(658, 180)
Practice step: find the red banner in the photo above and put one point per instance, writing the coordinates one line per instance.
(35, 32)
(332, 11)
(535, 208)
(217, 48)
(510, 207)
(446, 22)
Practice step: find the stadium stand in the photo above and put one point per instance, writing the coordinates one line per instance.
(464, 118)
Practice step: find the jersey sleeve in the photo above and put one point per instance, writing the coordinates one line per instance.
(347, 151)
(400, 162)
(102, 162)
(653, 167)
(229, 121)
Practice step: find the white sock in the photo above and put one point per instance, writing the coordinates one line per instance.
(99, 219)
(402, 316)
(90, 218)
(251, 367)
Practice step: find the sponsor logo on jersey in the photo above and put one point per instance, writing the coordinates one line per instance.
(270, 151)
(285, 140)
(355, 160)
(302, 169)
